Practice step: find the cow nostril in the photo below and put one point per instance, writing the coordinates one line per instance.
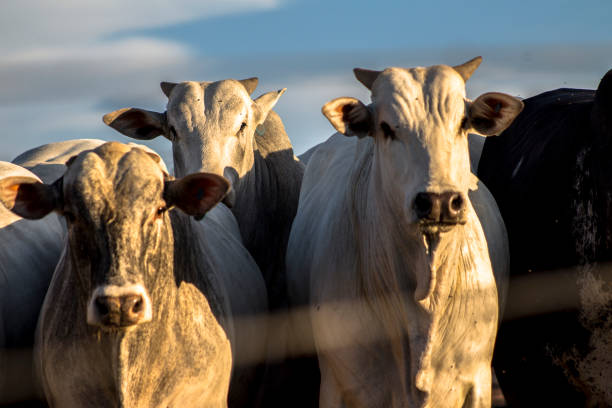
(138, 306)
(132, 305)
(456, 203)
(423, 204)
(102, 306)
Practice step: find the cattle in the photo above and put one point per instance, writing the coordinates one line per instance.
(550, 174)
(28, 255)
(397, 250)
(147, 307)
(216, 127)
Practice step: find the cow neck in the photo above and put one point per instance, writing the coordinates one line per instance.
(408, 282)
(185, 282)
(190, 284)
(192, 263)
(266, 203)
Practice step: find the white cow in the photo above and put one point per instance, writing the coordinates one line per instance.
(397, 249)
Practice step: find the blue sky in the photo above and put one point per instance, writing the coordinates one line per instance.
(65, 63)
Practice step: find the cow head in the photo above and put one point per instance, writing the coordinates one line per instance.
(115, 200)
(211, 125)
(419, 119)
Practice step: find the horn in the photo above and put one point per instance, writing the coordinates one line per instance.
(249, 84)
(366, 76)
(167, 87)
(467, 69)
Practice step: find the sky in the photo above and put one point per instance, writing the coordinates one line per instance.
(65, 63)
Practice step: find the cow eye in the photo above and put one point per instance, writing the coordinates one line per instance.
(242, 127)
(387, 131)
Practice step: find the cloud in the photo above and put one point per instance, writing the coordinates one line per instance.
(64, 74)
(41, 24)
(69, 49)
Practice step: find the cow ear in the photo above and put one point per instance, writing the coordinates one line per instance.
(266, 102)
(197, 193)
(29, 198)
(491, 113)
(366, 76)
(167, 87)
(249, 84)
(137, 123)
(349, 116)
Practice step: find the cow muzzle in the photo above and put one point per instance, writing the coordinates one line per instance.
(439, 212)
(116, 307)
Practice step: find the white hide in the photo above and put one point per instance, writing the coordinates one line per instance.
(399, 319)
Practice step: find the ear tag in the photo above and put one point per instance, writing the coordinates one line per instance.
(260, 130)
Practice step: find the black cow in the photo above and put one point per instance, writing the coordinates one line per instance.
(551, 174)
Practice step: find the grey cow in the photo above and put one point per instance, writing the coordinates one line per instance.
(146, 305)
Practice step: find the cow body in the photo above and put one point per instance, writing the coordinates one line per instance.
(402, 309)
(550, 175)
(29, 252)
(196, 286)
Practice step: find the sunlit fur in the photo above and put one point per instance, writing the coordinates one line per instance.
(430, 153)
(399, 318)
